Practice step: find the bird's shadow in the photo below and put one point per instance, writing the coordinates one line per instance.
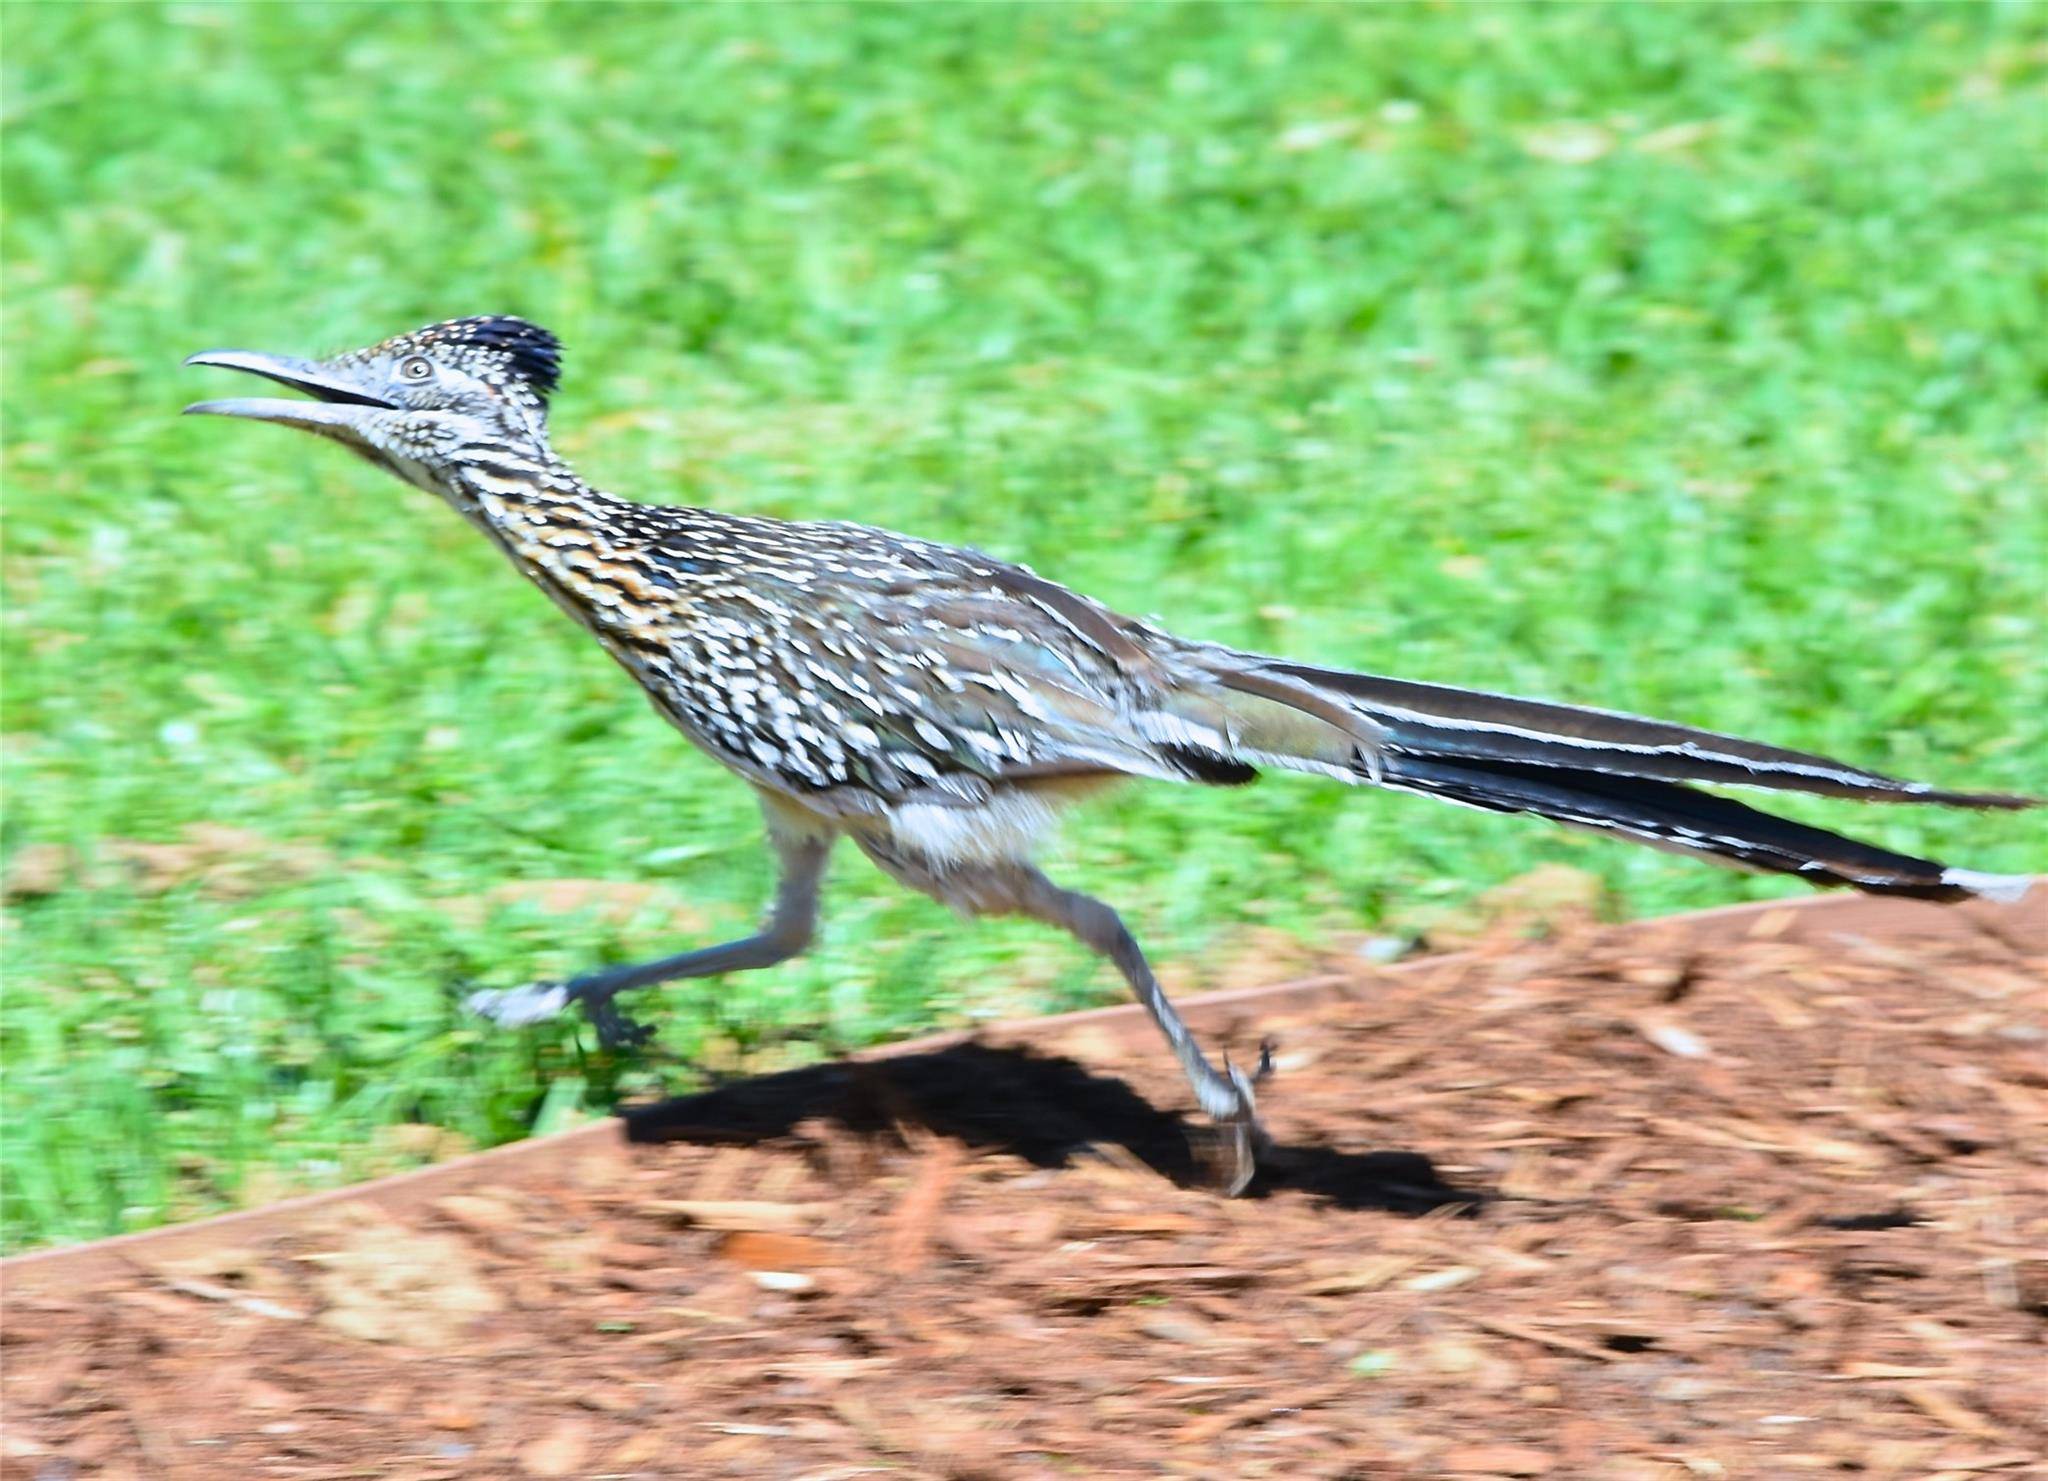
(1046, 1109)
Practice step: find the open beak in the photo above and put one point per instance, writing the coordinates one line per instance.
(337, 406)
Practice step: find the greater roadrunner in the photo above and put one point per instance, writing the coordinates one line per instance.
(941, 707)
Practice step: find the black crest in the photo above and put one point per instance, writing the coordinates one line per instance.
(527, 352)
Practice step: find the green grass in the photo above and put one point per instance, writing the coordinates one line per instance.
(1689, 361)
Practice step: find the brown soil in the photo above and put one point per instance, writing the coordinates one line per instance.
(1607, 1206)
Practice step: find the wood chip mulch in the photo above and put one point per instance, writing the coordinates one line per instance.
(1579, 1208)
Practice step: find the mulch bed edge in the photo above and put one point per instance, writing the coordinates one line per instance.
(1818, 917)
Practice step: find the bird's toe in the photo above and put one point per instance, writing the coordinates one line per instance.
(1239, 1159)
(515, 1007)
(614, 1029)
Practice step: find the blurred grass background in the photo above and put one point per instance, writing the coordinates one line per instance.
(1684, 360)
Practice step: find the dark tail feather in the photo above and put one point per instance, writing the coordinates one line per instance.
(1614, 773)
(1437, 721)
(1679, 818)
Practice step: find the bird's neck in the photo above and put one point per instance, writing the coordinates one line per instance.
(583, 547)
(505, 487)
(533, 505)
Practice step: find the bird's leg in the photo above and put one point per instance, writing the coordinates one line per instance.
(1226, 1095)
(787, 931)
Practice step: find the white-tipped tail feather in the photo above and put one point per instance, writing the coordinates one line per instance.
(2006, 889)
(1613, 773)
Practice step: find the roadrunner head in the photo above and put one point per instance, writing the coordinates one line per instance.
(416, 405)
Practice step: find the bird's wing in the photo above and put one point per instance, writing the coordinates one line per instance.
(1011, 677)
(955, 681)
(897, 667)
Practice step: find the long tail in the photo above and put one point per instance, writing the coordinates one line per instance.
(1597, 769)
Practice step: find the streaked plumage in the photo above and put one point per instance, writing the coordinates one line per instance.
(940, 707)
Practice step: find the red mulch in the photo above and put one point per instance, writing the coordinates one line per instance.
(1569, 1209)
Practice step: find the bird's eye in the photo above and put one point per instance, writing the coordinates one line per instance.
(416, 368)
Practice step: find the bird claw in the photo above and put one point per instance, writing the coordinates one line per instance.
(1246, 1109)
(1241, 1140)
(535, 1002)
(614, 1029)
(1243, 1136)
(515, 1007)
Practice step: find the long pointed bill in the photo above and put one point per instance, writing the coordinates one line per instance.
(337, 408)
(310, 416)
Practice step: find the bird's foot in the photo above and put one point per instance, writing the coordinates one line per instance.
(614, 1029)
(1237, 1156)
(515, 1007)
(1243, 1137)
